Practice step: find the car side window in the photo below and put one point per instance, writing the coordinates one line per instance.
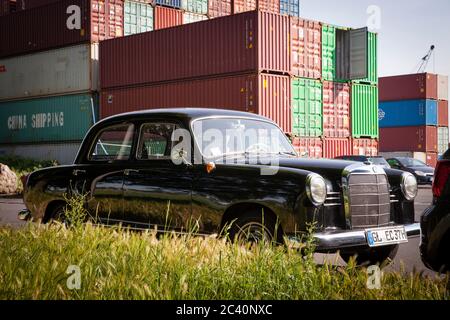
(113, 143)
(393, 163)
(155, 141)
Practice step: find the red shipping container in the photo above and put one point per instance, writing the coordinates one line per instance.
(415, 139)
(432, 159)
(5, 7)
(249, 5)
(248, 42)
(306, 48)
(263, 94)
(50, 26)
(365, 147)
(165, 17)
(336, 147)
(443, 113)
(30, 4)
(336, 110)
(408, 87)
(307, 147)
(219, 8)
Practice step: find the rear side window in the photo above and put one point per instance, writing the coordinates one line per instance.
(113, 143)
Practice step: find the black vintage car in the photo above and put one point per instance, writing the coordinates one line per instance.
(167, 168)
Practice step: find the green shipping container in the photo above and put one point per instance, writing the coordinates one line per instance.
(329, 56)
(138, 17)
(364, 111)
(54, 119)
(306, 107)
(195, 6)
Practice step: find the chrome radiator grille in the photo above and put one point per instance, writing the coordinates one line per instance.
(369, 200)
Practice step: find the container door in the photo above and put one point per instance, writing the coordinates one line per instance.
(352, 54)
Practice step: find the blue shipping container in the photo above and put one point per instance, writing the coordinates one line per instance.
(290, 7)
(407, 113)
(169, 3)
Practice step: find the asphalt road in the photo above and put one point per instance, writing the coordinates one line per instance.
(408, 256)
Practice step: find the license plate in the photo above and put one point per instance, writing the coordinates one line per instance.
(386, 236)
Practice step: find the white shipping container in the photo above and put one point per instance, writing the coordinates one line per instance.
(422, 156)
(66, 70)
(442, 87)
(443, 140)
(189, 17)
(64, 153)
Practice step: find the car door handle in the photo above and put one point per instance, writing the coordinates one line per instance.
(127, 172)
(77, 172)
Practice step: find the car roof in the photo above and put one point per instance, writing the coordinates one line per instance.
(182, 113)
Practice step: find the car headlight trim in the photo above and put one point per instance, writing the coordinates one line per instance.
(316, 189)
(409, 186)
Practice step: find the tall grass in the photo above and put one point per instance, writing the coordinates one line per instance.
(117, 263)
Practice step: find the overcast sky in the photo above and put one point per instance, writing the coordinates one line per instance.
(407, 29)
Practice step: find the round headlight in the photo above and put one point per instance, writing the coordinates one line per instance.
(420, 173)
(409, 186)
(316, 189)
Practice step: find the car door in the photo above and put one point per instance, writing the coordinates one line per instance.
(156, 190)
(101, 178)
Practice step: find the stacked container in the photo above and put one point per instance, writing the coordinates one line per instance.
(49, 74)
(413, 115)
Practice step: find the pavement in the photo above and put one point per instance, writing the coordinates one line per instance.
(407, 259)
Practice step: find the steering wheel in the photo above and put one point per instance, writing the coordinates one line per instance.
(258, 147)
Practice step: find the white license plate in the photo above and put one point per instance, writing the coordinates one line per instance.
(386, 236)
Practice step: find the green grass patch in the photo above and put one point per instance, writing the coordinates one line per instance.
(120, 264)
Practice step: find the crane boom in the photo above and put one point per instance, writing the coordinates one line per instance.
(425, 60)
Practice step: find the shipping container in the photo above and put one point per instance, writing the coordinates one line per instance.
(195, 6)
(408, 87)
(247, 42)
(5, 7)
(306, 107)
(443, 139)
(165, 17)
(365, 147)
(308, 147)
(50, 26)
(60, 71)
(328, 52)
(442, 87)
(336, 110)
(250, 5)
(364, 111)
(264, 94)
(169, 3)
(406, 113)
(30, 4)
(49, 119)
(372, 60)
(219, 8)
(189, 17)
(432, 158)
(290, 7)
(138, 17)
(306, 48)
(63, 153)
(415, 139)
(442, 113)
(336, 147)
(421, 156)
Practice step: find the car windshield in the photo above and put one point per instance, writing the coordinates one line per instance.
(379, 161)
(411, 162)
(220, 137)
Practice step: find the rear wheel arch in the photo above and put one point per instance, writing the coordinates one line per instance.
(51, 208)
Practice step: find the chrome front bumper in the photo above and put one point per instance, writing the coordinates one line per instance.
(333, 241)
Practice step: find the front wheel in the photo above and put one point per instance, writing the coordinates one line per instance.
(365, 257)
(255, 227)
